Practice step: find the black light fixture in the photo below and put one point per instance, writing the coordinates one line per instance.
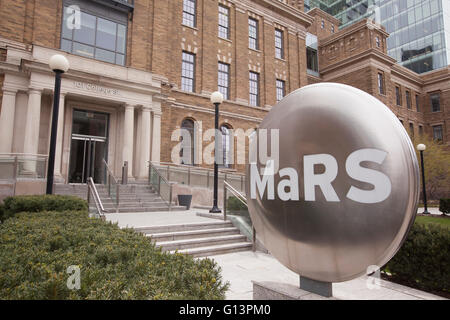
(216, 99)
(58, 64)
(421, 147)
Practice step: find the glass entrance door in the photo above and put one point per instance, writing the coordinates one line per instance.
(88, 146)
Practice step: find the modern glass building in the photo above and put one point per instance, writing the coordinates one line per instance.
(419, 29)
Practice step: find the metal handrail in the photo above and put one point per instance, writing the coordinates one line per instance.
(160, 178)
(243, 200)
(108, 182)
(92, 191)
(225, 171)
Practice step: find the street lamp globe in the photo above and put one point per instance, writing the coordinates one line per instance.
(421, 147)
(59, 63)
(216, 97)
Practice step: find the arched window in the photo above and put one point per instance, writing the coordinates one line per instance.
(227, 145)
(187, 151)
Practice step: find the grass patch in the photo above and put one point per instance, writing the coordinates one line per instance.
(442, 221)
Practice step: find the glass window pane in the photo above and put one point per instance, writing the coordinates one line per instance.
(86, 34)
(120, 59)
(66, 32)
(106, 34)
(66, 45)
(83, 50)
(105, 55)
(121, 38)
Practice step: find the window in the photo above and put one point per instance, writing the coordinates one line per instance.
(254, 88)
(411, 129)
(437, 133)
(189, 13)
(226, 147)
(281, 91)
(322, 25)
(224, 79)
(96, 38)
(187, 151)
(279, 44)
(381, 83)
(435, 103)
(417, 103)
(408, 99)
(224, 22)
(398, 96)
(253, 34)
(188, 72)
(311, 59)
(332, 28)
(420, 130)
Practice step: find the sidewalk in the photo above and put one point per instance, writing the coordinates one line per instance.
(241, 268)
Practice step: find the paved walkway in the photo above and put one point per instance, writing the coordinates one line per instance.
(241, 268)
(432, 210)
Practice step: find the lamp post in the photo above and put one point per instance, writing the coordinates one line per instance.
(421, 147)
(58, 64)
(216, 99)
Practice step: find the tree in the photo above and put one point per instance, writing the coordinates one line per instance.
(436, 159)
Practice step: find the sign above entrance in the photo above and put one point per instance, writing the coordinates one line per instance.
(96, 88)
(333, 182)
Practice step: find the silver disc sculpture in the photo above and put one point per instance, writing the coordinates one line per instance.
(344, 190)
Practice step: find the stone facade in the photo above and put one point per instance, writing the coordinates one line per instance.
(150, 81)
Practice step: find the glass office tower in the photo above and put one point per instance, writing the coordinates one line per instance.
(419, 29)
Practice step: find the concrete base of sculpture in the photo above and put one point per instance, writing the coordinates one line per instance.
(321, 288)
(268, 290)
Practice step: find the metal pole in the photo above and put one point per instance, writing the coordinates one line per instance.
(54, 132)
(215, 209)
(425, 211)
(224, 202)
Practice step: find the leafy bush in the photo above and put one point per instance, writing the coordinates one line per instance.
(234, 204)
(444, 205)
(424, 259)
(13, 205)
(37, 248)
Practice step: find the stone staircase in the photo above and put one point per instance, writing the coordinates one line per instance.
(132, 198)
(198, 239)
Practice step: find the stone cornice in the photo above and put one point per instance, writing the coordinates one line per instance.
(211, 111)
(363, 55)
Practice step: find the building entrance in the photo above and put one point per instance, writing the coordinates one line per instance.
(89, 146)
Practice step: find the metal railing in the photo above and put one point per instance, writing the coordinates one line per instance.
(200, 176)
(15, 166)
(160, 184)
(94, 202)
(243, 200)
(112, 185)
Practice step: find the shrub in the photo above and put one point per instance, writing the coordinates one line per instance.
(444, 205)
(37, 248)
(424, 258)
(235, 204)
(13, 205)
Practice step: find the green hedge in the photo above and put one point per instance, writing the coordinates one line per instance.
(13, 205)
(444, 205)
(37, 248)
(234, 204)
(424, 259)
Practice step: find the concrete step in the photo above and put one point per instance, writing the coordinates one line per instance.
(136, 205)
(200, 242)
(194, 234)
(215, 250)
(184, 227)
(145, 209)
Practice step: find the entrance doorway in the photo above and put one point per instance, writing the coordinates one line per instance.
(89, 146)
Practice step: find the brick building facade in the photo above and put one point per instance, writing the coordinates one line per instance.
(159, 74)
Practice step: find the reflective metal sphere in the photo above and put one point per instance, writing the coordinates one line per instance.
(337, 238)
